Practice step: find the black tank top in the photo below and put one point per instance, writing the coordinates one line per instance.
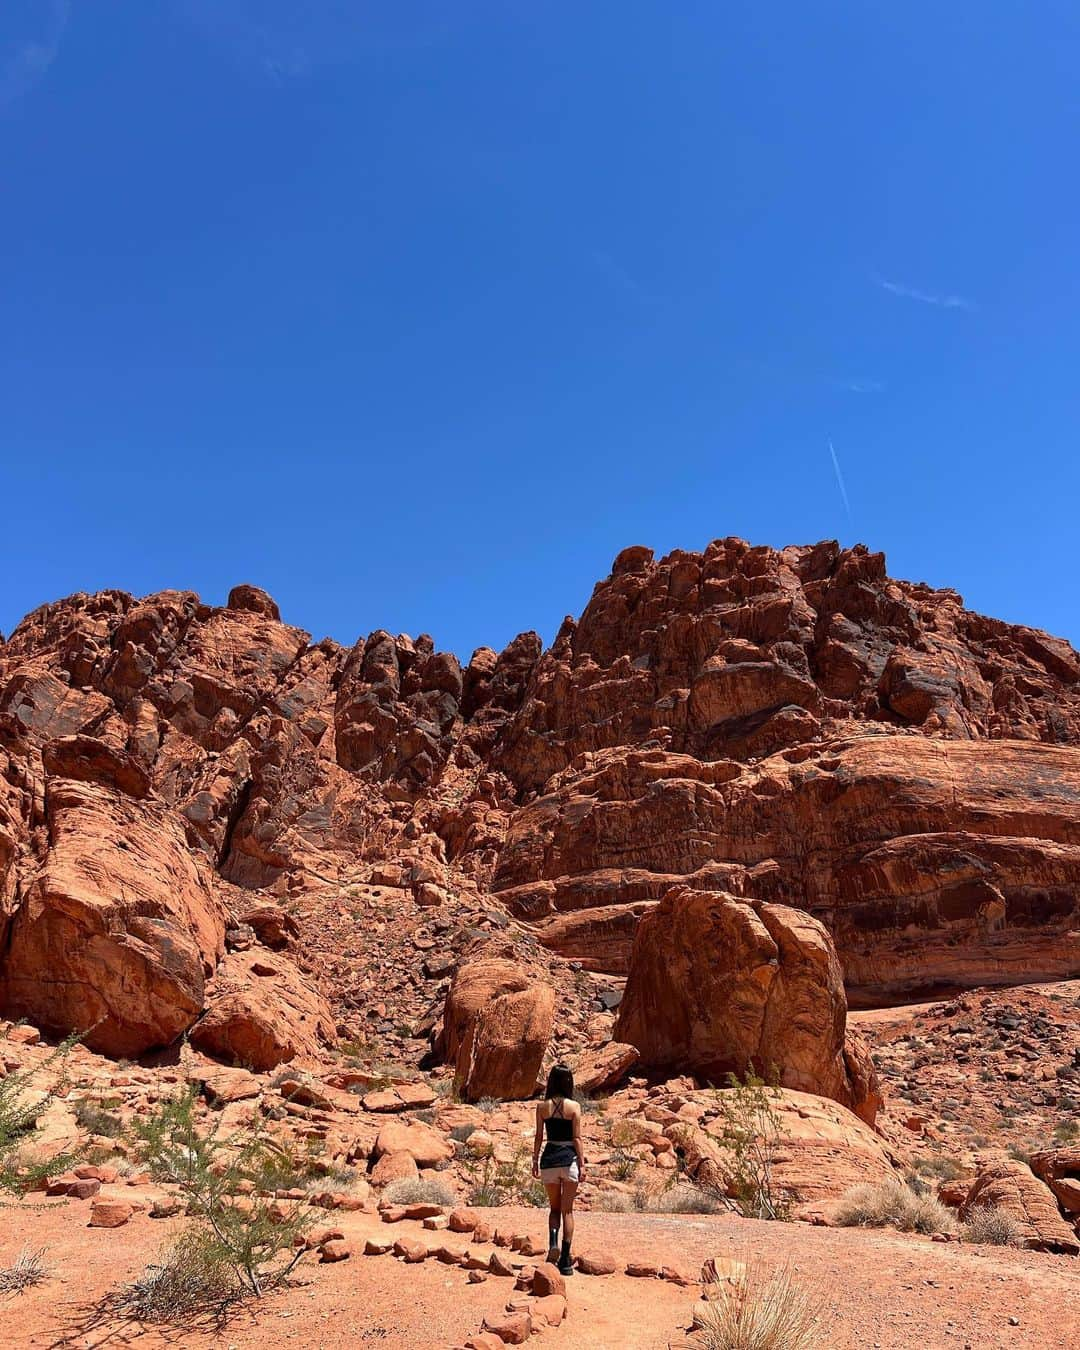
(559, 1151)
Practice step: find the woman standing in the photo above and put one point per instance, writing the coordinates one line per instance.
(561, 1166)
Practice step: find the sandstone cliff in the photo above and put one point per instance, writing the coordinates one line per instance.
(788, 727)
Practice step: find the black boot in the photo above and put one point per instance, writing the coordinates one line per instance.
(553, 1243)
(566, 1264)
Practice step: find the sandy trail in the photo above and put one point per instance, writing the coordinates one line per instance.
(880, 1290)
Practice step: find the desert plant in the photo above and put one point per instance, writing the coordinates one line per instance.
(1067, 1131)
(26, 1270)
(94, 1119)
(418, 1191)
(684, 1198)
(939, 1165)
(621, 1202)
(760, 1312)
(500, 1183)
(192, 1278)
(460, 1133)
(993, 1226)
(750, 1135)
(256, 1240)
(21, 1107)
(892, 1204)
(623, 1164)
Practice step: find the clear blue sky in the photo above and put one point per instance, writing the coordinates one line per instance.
(415, 314)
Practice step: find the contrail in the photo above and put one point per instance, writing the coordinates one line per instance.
(840, 480)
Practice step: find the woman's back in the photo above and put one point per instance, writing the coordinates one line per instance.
(558, 1125)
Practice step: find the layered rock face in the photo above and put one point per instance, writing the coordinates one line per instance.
(790, 727)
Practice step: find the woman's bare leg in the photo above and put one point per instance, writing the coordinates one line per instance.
(566, 1205)
(553, 1189)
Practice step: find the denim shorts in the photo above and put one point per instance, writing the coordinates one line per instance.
(549, 1175)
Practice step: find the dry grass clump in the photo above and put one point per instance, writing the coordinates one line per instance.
(760, 1312)
(419, 1191)
(992, 1226)
(892, 1204)
(25, 1271)
(681, 1198)
(192, 1280)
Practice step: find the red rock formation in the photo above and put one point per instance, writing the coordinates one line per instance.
(789, 725)
(261, 1013)
(496, 1029)
(719, 986)
(118, 931)
(1013, 1187)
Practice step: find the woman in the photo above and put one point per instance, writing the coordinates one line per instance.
(561, 1166)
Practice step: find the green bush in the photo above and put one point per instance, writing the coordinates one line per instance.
(21, 1107)
(252, 1240)
(750, 1135)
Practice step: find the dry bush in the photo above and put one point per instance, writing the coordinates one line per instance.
(992, 1226)
(26, 1270)
(621, 1202)
(193, 1279)
(684, 1198)
(892, 1204)
(419, 1191)
(761, 1312)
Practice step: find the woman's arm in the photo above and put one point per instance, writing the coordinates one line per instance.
(538, 1139)
(578, 1149)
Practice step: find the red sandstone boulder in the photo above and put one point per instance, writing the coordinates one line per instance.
(119, 930)
(1012, 1186)
(261, 1012)
(719, 985)
(496, 1027)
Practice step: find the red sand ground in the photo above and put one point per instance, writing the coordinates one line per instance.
(882, 1290)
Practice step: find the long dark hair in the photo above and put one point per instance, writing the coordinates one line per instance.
(560, 1082)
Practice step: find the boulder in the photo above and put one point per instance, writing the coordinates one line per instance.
(497, 1027)
(261, 1012)
(605, 1068)
(821, 1150)
(1011, 1186)
(426, 1146)
(118, 931)
(720, 986)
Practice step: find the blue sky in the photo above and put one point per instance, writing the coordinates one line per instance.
(417, 314)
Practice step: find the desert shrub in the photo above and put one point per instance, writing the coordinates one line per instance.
(256, 1241)
(684, 1198)
(761, 1312)
(532, 1192)
(1019, 1154)
(622, 1165)
(892, 1204)
(992, 1226)
(500, 1183)
(488, 1104)
(590, 1105)
(460, 1133)
(94, 1119)
(427, 1115)
(21, 1107)
(939, 1165)
(418, 1191)
(26, 1270)
(192, 1278)
(1067, 1131)
(750, 1135)
(621, 1202)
